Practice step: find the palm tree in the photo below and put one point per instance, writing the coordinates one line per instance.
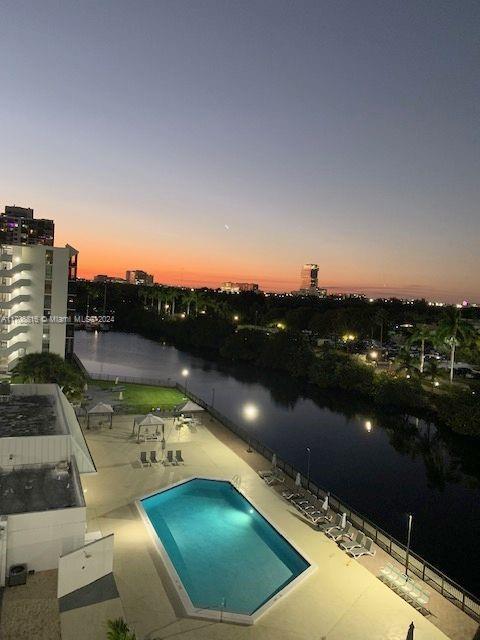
(421, 334)
(118, 630)
(453, 330)
(189, 297)
(381, 318)
(432, 371)
(144, 294)
(406, 363)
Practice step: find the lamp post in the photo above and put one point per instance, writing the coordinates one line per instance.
(409, 535)
(308, 466)
(250, 413)
(185, 373)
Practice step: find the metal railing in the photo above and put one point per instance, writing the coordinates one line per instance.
(417, 565)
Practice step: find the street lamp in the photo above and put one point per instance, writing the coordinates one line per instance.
(250, 413)
(185, 373)
(236, 318)
(409, 535)
(368, 425)
(308, 466)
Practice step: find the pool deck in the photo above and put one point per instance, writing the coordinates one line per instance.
(342, 599)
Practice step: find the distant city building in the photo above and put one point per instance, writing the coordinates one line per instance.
(36, 304)
(309, 282)
(110, 279)
(238, 287)
(18, 226)
(137, 276)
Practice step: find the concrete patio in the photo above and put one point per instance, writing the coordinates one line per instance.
(342, 599)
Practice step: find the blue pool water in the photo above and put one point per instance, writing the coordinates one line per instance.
(225, 553)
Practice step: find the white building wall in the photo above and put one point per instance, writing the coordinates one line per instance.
(83, 566)
(34, 450)
(27, 267)
(39, 539)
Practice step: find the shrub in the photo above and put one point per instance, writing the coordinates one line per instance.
(459, 409)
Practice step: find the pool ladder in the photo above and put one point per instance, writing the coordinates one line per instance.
(236, 480)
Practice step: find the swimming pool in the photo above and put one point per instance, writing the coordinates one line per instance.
(228, 561)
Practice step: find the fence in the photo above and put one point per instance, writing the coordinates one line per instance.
(450, 589)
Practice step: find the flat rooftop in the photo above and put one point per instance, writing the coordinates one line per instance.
(38, 488)
(29, 415)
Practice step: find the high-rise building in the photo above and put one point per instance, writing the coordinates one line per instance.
(137, 276)
(309, 282)
(309, 276)
(35, 301)
(18, 226)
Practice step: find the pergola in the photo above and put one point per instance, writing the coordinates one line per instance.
(146, 424)
(101, 409)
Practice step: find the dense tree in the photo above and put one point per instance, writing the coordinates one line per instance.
(49, 367)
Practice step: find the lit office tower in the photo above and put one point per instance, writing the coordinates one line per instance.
(309, 277)
(18, 226)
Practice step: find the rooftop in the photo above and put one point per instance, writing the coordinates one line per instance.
(29, 415)
(39, 488)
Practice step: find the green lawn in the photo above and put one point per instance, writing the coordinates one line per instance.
(140, 398)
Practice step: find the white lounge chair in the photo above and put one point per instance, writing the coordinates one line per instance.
(366, 550)
(337, 533)
(358, 541)
(328, 526)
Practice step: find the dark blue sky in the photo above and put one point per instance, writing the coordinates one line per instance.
(345, 133)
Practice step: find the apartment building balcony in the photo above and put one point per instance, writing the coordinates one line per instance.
(9, 331)
(17, 268)
(8, 288)
(15, 346)
(17, 300)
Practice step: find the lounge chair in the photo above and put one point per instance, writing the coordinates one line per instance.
(366, 550)
(319, 517)
(169, 459)
(266, 473)
(274, 479)
(358, 541)
(326, 527)
(291, 495)
(153, 457)
(178, 456)
(143, 459)
(339, 533)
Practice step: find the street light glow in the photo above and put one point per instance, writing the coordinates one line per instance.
(368, 425)
(185, 372)
(250, 411)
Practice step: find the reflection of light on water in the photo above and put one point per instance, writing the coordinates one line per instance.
(235, 517)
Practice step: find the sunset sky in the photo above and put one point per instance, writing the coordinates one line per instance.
(208, 141)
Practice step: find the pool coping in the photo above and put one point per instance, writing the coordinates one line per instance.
(215, 614)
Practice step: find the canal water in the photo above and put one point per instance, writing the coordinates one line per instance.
(381, 466)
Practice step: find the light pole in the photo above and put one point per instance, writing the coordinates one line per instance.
(409, 535)
(308, 466)
(250, 412)
(185, 373)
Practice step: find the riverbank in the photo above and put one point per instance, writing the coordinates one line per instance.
(401, 389)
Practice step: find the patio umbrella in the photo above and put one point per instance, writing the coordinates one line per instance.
(325, 503)
(411, 629)
(344, 520)
(274, 460)
(298, 480)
